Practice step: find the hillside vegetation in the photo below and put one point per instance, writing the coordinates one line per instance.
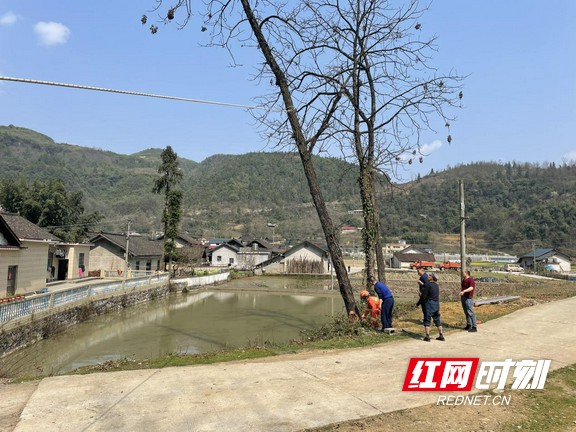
(509, 206)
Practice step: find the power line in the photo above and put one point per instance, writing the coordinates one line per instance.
(132, 93)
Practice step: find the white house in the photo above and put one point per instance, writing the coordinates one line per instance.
(307, 257)
(242, 255)
(549, 258)
(225, 255)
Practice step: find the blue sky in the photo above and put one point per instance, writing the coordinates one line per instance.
(519, 96)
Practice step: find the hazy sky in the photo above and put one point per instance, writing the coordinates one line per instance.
(519, 97)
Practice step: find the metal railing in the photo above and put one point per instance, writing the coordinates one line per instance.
(69, 296)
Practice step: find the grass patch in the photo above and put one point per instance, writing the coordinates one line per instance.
(552, 409)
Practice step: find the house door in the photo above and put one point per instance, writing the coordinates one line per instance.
(12, 276)
(62, 269)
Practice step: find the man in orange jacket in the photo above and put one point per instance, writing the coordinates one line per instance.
(372, 308)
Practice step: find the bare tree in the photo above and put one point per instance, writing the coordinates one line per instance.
(297, 112)
(347, 75)
(372, 54)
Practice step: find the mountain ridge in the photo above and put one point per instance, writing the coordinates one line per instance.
(509, 206)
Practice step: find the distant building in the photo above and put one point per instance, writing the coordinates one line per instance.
(304, 258)
(551, 259)
(391, 248)
(347, 229)
(108, 253)
(404, 258)
(242, 255)
(307, 257)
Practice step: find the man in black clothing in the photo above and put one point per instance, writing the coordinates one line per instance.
(430, 300)
(422, 281)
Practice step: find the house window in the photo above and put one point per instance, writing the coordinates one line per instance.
(218, 258)
(81, 260)
(137, 265)
(231, 261)
(157, 265)
(149, 265)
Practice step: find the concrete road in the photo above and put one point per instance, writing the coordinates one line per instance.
(287, 393)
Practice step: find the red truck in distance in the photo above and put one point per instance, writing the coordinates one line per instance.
(449, 265)
(422, 264)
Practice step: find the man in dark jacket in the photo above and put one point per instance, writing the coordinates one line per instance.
(430, 301)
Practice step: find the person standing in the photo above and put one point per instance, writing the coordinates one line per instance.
(430, 299)
(422, 282)
(384, 294)
(467, 298)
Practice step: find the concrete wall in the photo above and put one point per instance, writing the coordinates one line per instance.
(200, 280)
(247, 260)
(106, 257)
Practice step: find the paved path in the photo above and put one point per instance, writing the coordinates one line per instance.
(287, 393)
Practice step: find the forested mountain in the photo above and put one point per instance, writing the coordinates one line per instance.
(509, 206)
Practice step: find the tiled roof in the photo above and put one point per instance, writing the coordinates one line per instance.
(138, 245)
(323, 250)
(411, 257)
(26, 230)
(189, 239)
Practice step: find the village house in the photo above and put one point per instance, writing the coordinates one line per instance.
(241, 255)
(24, 249)
(225, 255)
(307, 257)
(190, 250)
(391, 248)
(304, 258)
(108, 253)
(403, 259)
(68, 261)
(550, 259)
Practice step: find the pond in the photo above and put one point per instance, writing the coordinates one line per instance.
(241, 312)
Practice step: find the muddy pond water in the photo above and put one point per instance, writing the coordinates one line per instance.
(238, 313)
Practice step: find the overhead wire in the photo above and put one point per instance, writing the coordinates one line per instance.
(127, 92)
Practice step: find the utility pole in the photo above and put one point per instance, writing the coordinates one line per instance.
(534, 256)
(126, 255)
(462, 230)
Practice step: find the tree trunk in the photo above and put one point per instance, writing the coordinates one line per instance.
(329, 233)
(368, 233)
(305, 153)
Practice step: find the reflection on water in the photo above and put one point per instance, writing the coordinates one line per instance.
(192, 323)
